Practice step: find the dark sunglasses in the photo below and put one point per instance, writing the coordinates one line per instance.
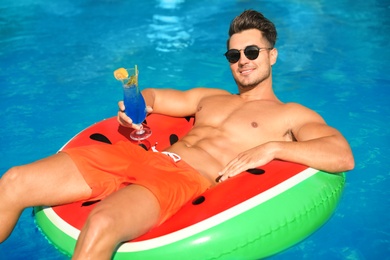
(251, 52)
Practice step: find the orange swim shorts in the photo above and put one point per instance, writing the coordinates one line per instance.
(107, 168)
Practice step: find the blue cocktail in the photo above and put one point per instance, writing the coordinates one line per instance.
(135, 106)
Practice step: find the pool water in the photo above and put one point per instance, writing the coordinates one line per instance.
(57, 59)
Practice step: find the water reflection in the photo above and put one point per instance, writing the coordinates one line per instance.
(169, 4)
(169, 32)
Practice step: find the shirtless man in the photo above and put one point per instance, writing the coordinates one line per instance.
(231, 134)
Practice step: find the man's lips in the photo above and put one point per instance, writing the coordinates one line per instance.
(246, 71)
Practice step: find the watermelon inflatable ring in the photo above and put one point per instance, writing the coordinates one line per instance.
(253, 215)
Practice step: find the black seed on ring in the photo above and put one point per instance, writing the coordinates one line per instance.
(256, 171)
(173, 138)
(100, 137)
(143, 146)
(198, 200)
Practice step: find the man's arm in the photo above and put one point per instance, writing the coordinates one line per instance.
(319, 146)
(177, 103)
(171, 102)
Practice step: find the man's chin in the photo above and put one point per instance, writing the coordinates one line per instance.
(245, 86)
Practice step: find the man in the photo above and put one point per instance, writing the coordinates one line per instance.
(231, 134)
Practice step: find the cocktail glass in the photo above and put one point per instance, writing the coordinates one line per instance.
(135, 106)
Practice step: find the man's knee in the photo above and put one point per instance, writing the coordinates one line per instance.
(100, 222)
(11, 186)
(10, 179)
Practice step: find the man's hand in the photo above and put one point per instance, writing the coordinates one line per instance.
(249, 159)
(126, 121)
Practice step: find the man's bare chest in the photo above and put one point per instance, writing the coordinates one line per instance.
(245, 119)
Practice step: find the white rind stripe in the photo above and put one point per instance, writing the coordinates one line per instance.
(61, 224)
(218, 218)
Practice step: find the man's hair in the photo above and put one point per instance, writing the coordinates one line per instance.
(251, 19)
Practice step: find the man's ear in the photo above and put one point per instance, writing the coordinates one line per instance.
(273, 56)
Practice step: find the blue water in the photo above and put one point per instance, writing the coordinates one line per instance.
(57, 59)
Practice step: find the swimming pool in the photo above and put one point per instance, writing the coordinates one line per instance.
(57, 58)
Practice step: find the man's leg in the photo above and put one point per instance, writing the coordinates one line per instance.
(124, 215)
(50, 181)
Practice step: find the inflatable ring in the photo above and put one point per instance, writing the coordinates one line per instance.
(253, 215)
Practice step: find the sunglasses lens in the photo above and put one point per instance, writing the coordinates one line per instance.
(232, 55)
(251, 52)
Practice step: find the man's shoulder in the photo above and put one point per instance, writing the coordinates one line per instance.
(212, 91)
(296, 106)
(203, 92)
(300, 113)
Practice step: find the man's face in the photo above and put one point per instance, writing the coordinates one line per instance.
(250, 73)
